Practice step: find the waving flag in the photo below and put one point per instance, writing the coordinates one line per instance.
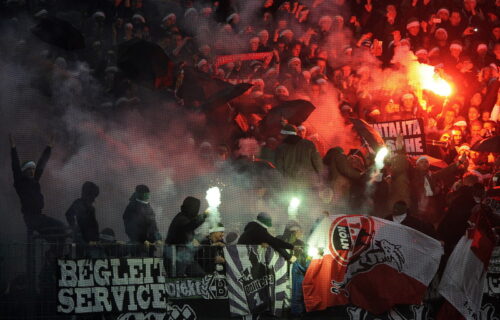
(464, 277)
(369, 262)
(257, 280)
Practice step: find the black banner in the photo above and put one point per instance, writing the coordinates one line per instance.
(412, 130)
(128, 286)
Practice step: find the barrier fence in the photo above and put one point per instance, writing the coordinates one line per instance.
(31, 287)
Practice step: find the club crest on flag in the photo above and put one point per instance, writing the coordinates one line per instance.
(382, 252)
(349, 236)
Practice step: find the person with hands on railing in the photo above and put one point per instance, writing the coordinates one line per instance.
(81, 218)
(140, 222)
(211, 253)
(181, 236)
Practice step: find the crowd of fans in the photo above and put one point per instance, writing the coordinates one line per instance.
(316, 48)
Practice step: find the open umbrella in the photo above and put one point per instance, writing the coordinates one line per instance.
(145, 62)
(225, 95)
(294, 111)
(368, 133)
(59, 33)
(491, 144)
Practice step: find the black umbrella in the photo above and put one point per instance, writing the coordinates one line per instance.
(145, 62)
(59, 33)
(225, 95)
(294, 111)
(491, 144)
(368, 133)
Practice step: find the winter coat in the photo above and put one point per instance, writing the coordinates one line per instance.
(86, 223)
(206, 256)
(298, 159)
(28, 189)
(256, 234)
(140, 223)
(181, 230)
(340, 173)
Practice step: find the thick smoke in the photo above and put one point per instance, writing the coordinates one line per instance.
(155, 143)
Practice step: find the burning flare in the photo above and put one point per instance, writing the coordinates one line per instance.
(213, 199)
(430, 80)
(293, 207)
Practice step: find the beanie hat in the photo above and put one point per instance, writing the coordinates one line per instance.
(218, 228)
(28, 165)
(456, 45)
(443, 10)
(139, 17)
(99, 14)
(442, 30)
(413, 22)
(201, 63)
(289, 129)
(169, 16)
(421, 158)
(264, 219)
(142, 193)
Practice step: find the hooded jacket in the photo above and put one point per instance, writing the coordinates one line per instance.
(181, 230)
(140, 222)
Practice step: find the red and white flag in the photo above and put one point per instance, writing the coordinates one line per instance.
(464, 277)
(369, 262)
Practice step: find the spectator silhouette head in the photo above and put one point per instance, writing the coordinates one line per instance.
(142, 193)
(28, 169)
(264, 219)
(399, 208)
(191, 206)
(90, 191)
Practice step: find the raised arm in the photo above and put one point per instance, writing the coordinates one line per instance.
(42, 162)
(16, 167)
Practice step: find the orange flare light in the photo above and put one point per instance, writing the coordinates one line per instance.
(430, 80)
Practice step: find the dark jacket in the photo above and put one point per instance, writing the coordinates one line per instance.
(417, 224)
(28, 189)
(181, 230)
(255, 234)
(206, 256)
(140, 223)
(86, 223)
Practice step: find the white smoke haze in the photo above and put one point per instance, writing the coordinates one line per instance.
(156, 143)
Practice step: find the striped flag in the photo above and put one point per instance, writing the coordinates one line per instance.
(257, 280)
(464, 277)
